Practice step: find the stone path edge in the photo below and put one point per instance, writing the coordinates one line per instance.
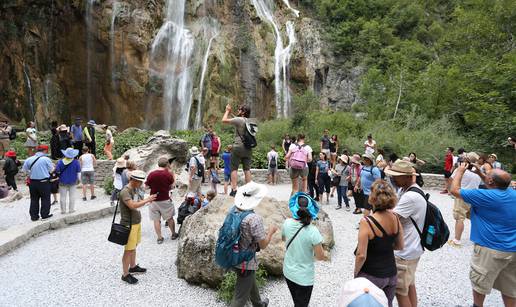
(17, 235)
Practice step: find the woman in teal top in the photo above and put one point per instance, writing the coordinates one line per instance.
(303, 241)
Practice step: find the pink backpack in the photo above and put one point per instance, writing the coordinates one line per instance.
(299, 157)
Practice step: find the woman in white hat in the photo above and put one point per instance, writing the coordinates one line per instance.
(342, 171)
(118, 171)
(32, 138)
(65, 140)
(69, 171)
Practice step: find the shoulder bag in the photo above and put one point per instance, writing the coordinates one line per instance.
(119, 233)
(295, 235)
(27, 180)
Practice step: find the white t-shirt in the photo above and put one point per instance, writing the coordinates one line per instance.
(87, 163)
(271, 154)
(411, 204)
(306, 148)
(193, 163)
(379, 158)
(369, 146)
(469, 181)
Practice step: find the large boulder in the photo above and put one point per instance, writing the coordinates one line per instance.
(199, 233)
(160, 144)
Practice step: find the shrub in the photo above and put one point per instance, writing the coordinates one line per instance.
(227, 286)
(107, 185)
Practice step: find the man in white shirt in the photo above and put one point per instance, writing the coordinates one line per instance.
(411, 208)
(194, 174)
(461, 210)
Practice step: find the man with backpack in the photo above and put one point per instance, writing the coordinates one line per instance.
(299, 155)
(272, 163)
(493, 212)
(239, 252)
(195, 170)
(6, 135)
(411, 209)
(245, 141)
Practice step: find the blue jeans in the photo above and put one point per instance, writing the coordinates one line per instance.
(342, 193)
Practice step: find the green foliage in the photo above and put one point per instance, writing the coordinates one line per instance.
(107, 185)
(124, 141)
(227, 286)
(453, 59)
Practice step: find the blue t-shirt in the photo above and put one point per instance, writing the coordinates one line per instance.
(226, 157)
(323, 166)
(493, 216)
(77, 132)
(298, 265)
(367, 176)
(68, 174)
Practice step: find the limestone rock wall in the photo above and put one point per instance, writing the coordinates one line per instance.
(91, 58)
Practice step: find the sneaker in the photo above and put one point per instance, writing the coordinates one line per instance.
(93, 197)
(34, 219)
(338, 207)
(175, 236)
(160, 240)
(265, 302)
(444, 192)
(130, 279)
(47, 217)
(233, 193)
(455, 243)
(137, 269)
(84, 198)
(357, 211)
(348, 208)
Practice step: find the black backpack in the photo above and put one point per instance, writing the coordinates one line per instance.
(273, 163)
(435, 231)
(12, 134)
(200, 168)
(419, 179)
(249, 136)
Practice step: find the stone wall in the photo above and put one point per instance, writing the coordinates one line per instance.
(105, 169)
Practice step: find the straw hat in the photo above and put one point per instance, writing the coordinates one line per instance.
(360, 292)
(369, 156)
(344, 159)
(63, 127)
(138, 175)
(401, 168)
(70, 153)
(494, 155)
(250, 195)
(472, 157)
(194, 151)
(120, 163)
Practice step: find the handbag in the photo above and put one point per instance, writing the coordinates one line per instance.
(119, 233)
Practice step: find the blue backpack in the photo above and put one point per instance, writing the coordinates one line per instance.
(227, 251)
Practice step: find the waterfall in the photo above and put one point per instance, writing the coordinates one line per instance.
(198, 118)
(296, 12)
(171, 56)
(29, 89)
(89, 38)
(114, 12)
(282, 54)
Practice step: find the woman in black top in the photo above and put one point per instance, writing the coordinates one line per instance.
(378, 236)
(55, 150)
(286, 143)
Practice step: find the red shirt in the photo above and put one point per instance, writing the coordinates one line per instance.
(160, 181)
(448, 162)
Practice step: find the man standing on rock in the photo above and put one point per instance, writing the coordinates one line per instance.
(493, 212)
(131, 217)
(77, 136)
(411, 208)
(5, 133)
(195, 171)
(38, 168)
(240, 153)
(253, 237)
(161, 183)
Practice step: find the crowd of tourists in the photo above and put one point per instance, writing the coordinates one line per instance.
(394, 232)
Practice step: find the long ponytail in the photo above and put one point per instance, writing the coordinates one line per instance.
(304, 216)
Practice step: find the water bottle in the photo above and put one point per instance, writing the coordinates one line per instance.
(430, 235)
(236, 249)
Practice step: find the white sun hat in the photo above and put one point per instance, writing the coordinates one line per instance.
(360, 292)
(250, 195)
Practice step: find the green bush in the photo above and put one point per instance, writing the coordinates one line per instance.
(227, 286)
(107, 185)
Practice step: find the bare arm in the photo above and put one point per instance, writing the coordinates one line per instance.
(319, 253)
(363, 240)
(265, 242)
(94, 161)
(137, 204)
(310, 158)
(225, 118)
(289, 153)
(398, 241)
(455, 186)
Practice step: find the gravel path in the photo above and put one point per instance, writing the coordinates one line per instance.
(77, 266)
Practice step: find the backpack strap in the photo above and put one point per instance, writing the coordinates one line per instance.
(295, 235)
(420, 192)
(34, 162)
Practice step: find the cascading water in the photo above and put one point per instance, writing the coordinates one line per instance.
(112, 32)
(171, 57)
(296, 12)
(89, 39)
(265, 10)
(213, 34)
(29, 90)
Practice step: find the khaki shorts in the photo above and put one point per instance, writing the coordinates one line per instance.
(161, 209)
(294, 172)
(461, 210)
(135, 236)
(406, 275)
(195, 186)
(493, 269)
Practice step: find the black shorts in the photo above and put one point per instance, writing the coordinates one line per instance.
(447, 174)
(366, 204)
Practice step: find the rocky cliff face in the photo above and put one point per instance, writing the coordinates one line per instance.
(103, 60)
